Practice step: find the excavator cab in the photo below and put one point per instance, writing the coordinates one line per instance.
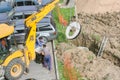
(5, 41)
(4, 49)
(10, 56)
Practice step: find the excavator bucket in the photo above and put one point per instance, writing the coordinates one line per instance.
(5, 30)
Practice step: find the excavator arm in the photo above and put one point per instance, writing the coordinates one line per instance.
(36, 17)
(31, 22)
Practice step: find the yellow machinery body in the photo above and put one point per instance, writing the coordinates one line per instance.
(28, 53)
(30, 22)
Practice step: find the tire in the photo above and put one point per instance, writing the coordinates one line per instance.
(14, 69)
(77, 27)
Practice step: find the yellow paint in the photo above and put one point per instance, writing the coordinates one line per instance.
(5, 30)
(16, 70)
(12, 56)
(28, 53)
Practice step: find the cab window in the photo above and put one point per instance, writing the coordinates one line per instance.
(45, 28)
(3, 45)
(24, 3)
(18, 16)
(29, 3)
(19, 3)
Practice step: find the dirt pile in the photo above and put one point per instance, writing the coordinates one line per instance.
(95, 27)
(91, 67)
(98, 18)
(97, 6)
(62, 47)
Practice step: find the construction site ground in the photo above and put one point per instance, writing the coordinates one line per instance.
(38, 72)
(98, 19)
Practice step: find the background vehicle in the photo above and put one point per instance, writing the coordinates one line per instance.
(4, 18)
(44, 2)
(45, 30)
(48, 31)
(19, 14)
(5, 6)
(16, 61)
(17, 3)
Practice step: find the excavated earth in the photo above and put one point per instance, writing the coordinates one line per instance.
(98, 19)
(94, 28)
(87, 64)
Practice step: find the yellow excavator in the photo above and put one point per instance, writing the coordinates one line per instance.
(16, 61)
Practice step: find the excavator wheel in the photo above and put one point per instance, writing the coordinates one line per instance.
(14, 69)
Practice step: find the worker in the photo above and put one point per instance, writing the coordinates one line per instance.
(47, 57)
(3, 44)
(39, 46)
(39, 42)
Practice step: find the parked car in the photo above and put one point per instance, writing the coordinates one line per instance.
(18, 15)
(17, 3)
(45, 30)
(44, 2)
(4, 18)
(22, 9)
(5, 7)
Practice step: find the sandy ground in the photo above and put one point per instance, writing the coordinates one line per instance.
(89, 66)
(98, 6)
(98, 18)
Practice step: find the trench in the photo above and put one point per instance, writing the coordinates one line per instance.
(94, 45)
(94, 27)
(112, 58)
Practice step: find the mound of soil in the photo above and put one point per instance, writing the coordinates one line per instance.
(62, 47)
(89, 66)
(94, 28)
(98, 18)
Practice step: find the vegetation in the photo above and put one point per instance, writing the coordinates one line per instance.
(67, 73)
(66, 13)
(61, 1)
(96, 37)
(67, 69)
(61, 70)
(1, 61)
(90, 57)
